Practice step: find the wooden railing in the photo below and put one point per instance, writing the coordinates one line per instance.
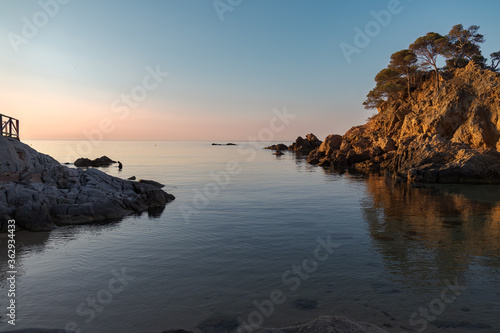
(10, 126)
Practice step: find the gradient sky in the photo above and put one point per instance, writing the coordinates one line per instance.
(225, 77)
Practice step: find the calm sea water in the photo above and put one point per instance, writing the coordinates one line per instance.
(397, 249)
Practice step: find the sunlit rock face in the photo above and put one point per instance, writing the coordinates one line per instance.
(446, 136)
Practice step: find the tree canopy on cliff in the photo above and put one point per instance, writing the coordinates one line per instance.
(458, 48)
(495, 61)
(463, 45)
(393, 79)
(428, 48)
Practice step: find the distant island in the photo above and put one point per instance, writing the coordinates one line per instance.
(435, 125)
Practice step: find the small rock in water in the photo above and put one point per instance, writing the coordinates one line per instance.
(227, 144)
(132, 178)
(102, 161)
(279, 153)
(280, 146)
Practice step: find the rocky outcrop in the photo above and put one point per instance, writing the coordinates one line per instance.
(100, 162)
(39, 193)
(446, 136)
(305, 146)
(279, 146)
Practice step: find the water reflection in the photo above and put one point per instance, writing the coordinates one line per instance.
(434, 232)
(28, 243)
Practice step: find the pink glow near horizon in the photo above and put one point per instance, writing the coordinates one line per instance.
(53, 116)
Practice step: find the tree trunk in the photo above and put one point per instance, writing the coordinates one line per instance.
(437, 76)
(409, 87)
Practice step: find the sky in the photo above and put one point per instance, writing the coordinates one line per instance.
(208, 70)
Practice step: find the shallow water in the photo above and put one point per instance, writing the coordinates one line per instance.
(396, 248)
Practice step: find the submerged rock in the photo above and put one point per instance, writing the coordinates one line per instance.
(39, 193)
(305, 304)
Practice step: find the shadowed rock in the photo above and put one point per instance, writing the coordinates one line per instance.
(305, 146)
(151, 182)
(102, 161)
(279, 146)
(39, 193)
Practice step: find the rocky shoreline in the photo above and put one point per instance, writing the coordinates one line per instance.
(41, 194)
(446, 135)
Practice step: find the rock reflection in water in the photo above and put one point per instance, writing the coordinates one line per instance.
(433, 232)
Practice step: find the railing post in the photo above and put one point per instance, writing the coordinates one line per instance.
(9, 127)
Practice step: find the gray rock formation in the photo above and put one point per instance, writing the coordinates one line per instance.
(39, 193)
(100, 162)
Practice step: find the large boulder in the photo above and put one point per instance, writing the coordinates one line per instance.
(305, 146)
(40, 194)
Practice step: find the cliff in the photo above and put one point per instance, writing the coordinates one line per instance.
(446, 136)
(40, 193)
